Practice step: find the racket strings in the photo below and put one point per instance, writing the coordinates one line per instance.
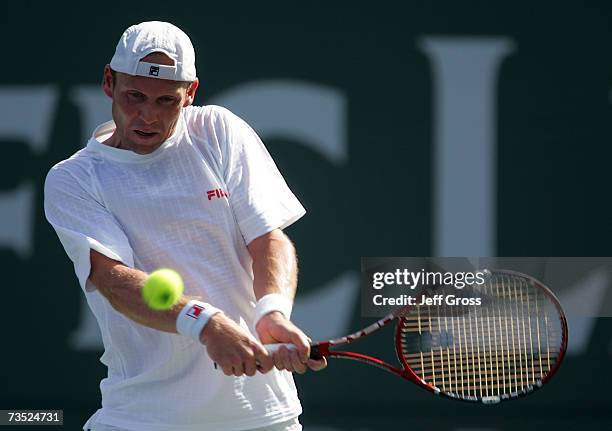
(504, 346)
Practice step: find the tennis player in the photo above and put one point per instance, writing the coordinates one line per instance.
(168, 184)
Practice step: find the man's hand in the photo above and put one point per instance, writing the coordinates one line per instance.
(233, 348)
(275, 328)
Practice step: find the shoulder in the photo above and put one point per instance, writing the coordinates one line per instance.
(211, 118)
(215, 130)
(76, 165)
(72, 172)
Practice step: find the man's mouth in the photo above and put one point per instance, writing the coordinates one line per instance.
(145, 134)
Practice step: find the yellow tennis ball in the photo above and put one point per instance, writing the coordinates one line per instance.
(162, 289)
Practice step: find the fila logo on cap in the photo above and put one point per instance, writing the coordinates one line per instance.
(154, 70)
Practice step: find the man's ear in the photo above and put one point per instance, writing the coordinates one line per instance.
(107, 81)
(191, 91)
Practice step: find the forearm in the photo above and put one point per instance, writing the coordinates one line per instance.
(227, 343)
(275, 271)
(122, 287)
(274, 265)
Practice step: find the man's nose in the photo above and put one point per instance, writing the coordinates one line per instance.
(148, 114)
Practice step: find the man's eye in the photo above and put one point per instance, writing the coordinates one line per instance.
(135, 95)
(167, 100)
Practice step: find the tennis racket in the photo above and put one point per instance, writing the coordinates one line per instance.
(506, 347)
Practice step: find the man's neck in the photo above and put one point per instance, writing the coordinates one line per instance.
(113, 141)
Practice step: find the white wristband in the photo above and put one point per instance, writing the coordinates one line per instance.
(273, 302)
(194, 317)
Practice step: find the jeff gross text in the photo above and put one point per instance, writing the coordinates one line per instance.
(435, 300)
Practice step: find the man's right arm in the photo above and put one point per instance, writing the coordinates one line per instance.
(230, 346)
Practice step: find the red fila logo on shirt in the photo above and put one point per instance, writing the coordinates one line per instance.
(195, 311)
(217, 192)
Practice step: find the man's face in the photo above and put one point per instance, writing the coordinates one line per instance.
(145, 110)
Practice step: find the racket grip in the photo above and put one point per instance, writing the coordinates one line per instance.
(271, 348)
(314, 350)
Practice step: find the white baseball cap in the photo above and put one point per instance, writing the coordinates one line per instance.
(142, 39)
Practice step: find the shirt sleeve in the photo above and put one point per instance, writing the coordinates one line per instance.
(83, 223)
(258, 193)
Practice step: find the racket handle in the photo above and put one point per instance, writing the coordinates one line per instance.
(315, 353)
(314, 350)
(273, 347)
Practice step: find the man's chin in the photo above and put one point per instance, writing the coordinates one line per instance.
(145, 147)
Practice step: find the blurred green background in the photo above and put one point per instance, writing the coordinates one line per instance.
(431, 128)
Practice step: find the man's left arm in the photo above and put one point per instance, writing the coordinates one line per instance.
(275, 272)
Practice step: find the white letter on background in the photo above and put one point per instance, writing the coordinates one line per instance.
(465, 72)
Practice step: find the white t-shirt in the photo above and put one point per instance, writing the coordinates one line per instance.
(192, 205)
